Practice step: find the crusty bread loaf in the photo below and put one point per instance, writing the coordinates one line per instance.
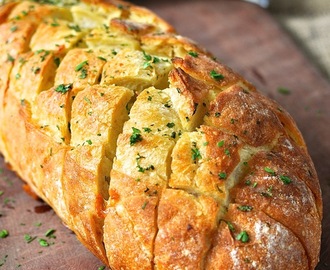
(152, 152)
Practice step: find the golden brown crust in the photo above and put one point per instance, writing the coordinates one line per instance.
(153, 153)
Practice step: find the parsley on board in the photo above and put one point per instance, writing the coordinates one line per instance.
(195, 153)
(284, 91)
(4, 233)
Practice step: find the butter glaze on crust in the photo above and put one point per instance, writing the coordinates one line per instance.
(153, 153)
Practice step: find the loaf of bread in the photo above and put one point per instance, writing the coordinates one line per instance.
(156, 155)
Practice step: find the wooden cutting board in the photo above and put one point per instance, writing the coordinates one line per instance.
(241, 35)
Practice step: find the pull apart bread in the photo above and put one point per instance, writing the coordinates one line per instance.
(152, 152)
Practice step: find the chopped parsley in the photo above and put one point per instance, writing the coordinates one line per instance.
(4, 233)
(284, 91)
(140, 168)
(136, 136)
(10, 58)
(81, 65)
(43, 242)
(43, 56)
(268, 193)
(57, 61)
(285, 179)
(87, 100)
(230, 226)
(13, 28)
(144, 205)
(63, 88)
(102, 58)
(193, 54)
(195, 153)
(83, 74)
(36, 70)
(89, 142)
(146, 129)
(170, 125)
(215, 75)
(245, 208)
(269, 170)
(146, 56)
(28, 238)
(243, 237)
(221, 143)
(222, 175)
(74, 27)
(50, 233)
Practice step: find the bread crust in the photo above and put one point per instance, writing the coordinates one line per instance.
(156, 155)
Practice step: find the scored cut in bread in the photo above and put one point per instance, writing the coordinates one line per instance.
(156, 155)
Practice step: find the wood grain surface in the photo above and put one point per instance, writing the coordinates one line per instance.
(244, 37)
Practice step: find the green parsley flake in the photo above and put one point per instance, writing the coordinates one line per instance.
(136, 136)
(83, 74)
(221, 143)
(87, 100)
(284, 91)
(170, 125)
(269, 170)
(4, 233)
(28, 238)
(222, 175)
(101, 268)
(102, 58)
(146, 129)
(81, 65)
(43, 242)
(63, 88)
(193, 54)
(195, 153)
(57, 61)
(243, 237)
(144, 205)
(230, 226)
(215, 75)
(146, 56)
(89, 142)
(10, 58)
(285, 179)
(245, 208)
(50, 233)
(13, 28)
(74, 27)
